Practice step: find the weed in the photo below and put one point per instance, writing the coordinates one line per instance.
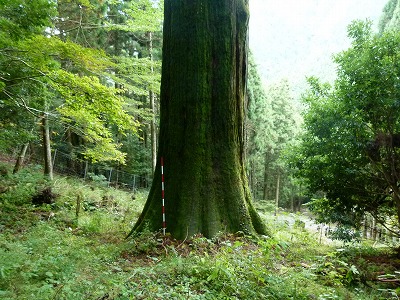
(334, 271)
(52, 252)
(98, 179)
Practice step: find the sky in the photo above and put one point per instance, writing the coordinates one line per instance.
(296, 38)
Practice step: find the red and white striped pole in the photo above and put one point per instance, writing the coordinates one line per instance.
(164, 224)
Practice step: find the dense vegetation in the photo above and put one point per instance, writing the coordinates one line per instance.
(349, 153)
(79, 93)
(56, 251)
(88, 72)
(92, 79)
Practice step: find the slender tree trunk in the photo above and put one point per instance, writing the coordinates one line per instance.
(292, 208)
(266, 177)
(396, 200)
(374, 229)
(252, 180)
(153, 131)
(153, 127)
(70, 160)
(365, 227)
(201, 122)
(48, 167)
(21, 158)
(277, 193)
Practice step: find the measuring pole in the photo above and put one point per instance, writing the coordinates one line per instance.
(162, 196)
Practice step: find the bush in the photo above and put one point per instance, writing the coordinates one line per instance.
(48, 252)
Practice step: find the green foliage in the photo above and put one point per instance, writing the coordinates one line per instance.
(345, 234)
(50, 63)
(390, 19)
(328, 211)
(272, 126)
(265, 206)
(48, 264)
(334, 271)
(84, 103)
(87, 110)
(98, 179)
(349, 152)
(144, 15)
(20, 19)
(47, 253)
(21, 187)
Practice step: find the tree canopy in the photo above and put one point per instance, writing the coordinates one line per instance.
(390, 19)
(350, 150)
(74, 63)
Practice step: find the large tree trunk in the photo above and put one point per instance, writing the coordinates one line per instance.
(201, 122)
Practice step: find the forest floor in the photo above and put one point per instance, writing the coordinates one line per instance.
(75, 248)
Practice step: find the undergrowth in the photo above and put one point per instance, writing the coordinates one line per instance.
(75, 248)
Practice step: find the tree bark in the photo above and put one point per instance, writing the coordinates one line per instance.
(70, 146)
(201, 122)
(277, 194)
(365, 227)
(292, 209)
(396, 200)
(252, 182)
(266, 176)
(21, 158)
(153, 127)
(48, 166)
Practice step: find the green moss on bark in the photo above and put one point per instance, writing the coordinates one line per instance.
(201, 122)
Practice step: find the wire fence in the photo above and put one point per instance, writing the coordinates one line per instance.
(370, 231)
(64, 163)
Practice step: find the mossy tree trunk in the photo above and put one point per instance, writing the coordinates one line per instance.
(48, 166)
(201, 122)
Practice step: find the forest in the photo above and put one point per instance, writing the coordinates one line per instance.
(142, 156)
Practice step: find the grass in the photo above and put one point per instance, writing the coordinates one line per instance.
(51, 251)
